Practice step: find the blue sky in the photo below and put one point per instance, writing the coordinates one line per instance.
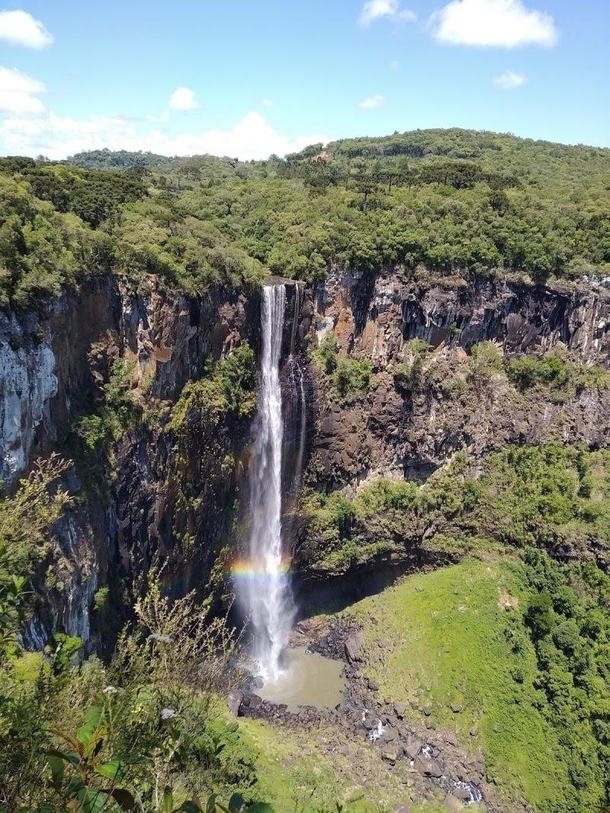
(252, 78)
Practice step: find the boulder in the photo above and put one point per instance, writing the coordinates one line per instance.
(389, 735)
(428, 767)
(234, 701)
(353, 645)
(372, 684)
(391, 755)
(399, 709)
(453, 804)
(461, 793)
(413, 746)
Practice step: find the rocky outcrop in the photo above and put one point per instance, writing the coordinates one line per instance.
(410, 432)
(375, 314)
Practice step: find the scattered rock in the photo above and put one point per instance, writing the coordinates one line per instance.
(453, 804)
(369, 721)
(389, 735)
(399, 709)
(234, 701)
(414, 704)
(461, 793)
(451, 738)
(391, 755)
(353, 645)
(428, 767)
(372, 685)
(413, 747)
(457, 706)
(428, 709)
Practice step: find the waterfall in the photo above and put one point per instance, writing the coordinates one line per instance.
(267, 592)
(296, 417)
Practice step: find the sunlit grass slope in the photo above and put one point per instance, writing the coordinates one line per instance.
(455, 637)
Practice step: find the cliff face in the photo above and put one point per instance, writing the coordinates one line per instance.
(180, 496)
(157, 493)
(411, 432)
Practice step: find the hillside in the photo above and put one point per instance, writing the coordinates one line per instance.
(454, 202)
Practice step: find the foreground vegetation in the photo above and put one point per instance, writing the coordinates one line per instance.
(456, 202)
(147, 732)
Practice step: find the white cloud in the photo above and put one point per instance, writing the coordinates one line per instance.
(376, 9)
(509, 80)
(18, 92)
(56, 137)
(373, 102)
(267, 102)
(183, 99)
(20, 28)
(494, 23)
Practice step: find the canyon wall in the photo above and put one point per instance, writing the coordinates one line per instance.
(411, 433)
(178, 496)
(154, 494)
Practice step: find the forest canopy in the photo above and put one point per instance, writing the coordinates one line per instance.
(454, 202)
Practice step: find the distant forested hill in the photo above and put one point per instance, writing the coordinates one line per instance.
(116, 159)
(442, 203)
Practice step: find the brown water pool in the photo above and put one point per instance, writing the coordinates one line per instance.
(308, 680)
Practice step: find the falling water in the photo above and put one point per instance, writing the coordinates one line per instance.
(267, 597)
(297, 409)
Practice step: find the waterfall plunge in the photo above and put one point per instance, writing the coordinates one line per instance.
(267, 592)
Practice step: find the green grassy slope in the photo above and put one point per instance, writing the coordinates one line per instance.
(450, 641)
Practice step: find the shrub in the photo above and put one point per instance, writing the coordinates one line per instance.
(551, 370)
(326, 354)
(352, 378)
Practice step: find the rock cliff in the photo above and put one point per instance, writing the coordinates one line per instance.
(411, 432)
(162, 494)
(153, 492)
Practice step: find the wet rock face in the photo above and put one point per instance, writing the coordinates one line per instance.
(27, 385)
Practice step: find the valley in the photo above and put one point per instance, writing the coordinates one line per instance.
(357, 401)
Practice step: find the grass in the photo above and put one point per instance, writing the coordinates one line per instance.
(450, 641)
(302, 771)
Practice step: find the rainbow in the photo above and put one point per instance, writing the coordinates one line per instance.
(247, 569)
